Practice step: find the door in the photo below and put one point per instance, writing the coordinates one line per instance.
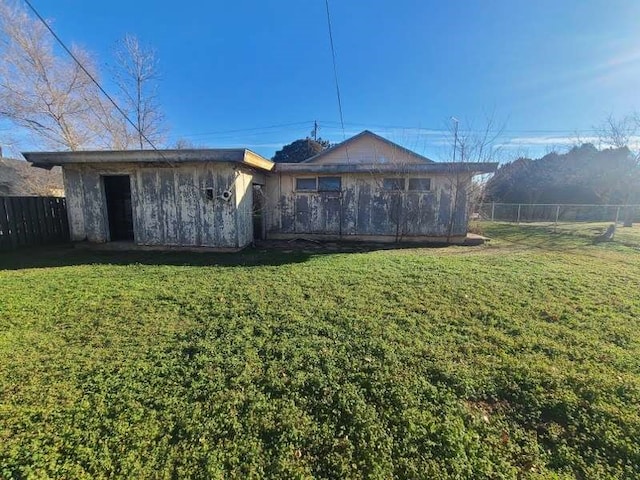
(117, 189)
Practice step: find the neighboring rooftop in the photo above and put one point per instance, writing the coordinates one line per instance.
(17, 178)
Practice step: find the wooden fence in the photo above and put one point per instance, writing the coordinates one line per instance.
(26, 221)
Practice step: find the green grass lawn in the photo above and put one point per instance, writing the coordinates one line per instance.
(516, 359)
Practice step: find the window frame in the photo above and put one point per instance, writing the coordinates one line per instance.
(398, 180)
(317, 188)
(314, 189)
(419, 179)
(333, 177)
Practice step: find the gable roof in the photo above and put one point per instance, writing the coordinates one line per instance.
(233, 155)
(366, 134)
(327, 162)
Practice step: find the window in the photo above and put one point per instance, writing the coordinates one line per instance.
(320, 184)
(394, 184)
(306, 184)
(329, 184)
(420, 184)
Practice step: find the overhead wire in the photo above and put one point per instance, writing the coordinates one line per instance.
(335, 77)
(242, 130)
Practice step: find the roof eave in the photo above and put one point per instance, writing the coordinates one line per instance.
(434, 167)
(236, 155)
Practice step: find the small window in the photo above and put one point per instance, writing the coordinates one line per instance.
(420, 184)
(393, 184)
(306, 184)
(329, 184)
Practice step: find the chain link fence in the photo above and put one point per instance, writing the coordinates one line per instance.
(556, 214)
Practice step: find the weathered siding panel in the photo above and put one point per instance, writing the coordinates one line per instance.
(204, 179)
(362, 208)
(149, 233)
(368, 150)
(169, 204)
(243, 198)
(349, 207)
(186, 207)
(96, 227)
(74, 193)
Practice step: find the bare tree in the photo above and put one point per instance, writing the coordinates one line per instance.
(56, 101)
(623, 133)
(38, 90)
(618, 132)
(137, 75)
(469, 145)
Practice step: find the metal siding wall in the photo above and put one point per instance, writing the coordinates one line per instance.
(187, 198)
(96, 226)
(175, 210)
(74, 193)
(243, 197)
(365, 209)
(148, 201)
(168, 207)
(169, 204)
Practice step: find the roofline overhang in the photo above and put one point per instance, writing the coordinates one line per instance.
(170, 157)
(391, 168)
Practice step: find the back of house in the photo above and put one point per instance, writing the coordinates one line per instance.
(365, 188)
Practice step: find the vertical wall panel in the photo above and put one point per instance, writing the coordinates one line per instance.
(74, 193)
(94, 207)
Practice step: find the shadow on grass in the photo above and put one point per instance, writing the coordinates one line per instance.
(263, 254)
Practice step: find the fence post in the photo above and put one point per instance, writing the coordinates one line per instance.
(555, 228)
(617, 214)
(493, 211)
(518, 221)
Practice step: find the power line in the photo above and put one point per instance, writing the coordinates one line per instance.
(335, 69)
(440, 130)
(92, 78)
(242, 130)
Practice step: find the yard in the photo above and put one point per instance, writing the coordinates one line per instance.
(517, 359)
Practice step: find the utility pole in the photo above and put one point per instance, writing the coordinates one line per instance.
(314, 132)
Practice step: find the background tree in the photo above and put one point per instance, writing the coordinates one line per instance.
(136, 74)
(53, 99)
(470, 145)
(300, 150)
(38, 90)
(623, 133)
(583, 175)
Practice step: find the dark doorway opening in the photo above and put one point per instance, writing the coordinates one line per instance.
(117, 189)
(258, 213)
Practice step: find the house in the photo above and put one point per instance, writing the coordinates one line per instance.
(365, 188)
(369, 188)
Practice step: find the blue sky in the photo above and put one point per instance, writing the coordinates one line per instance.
(547, 69)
